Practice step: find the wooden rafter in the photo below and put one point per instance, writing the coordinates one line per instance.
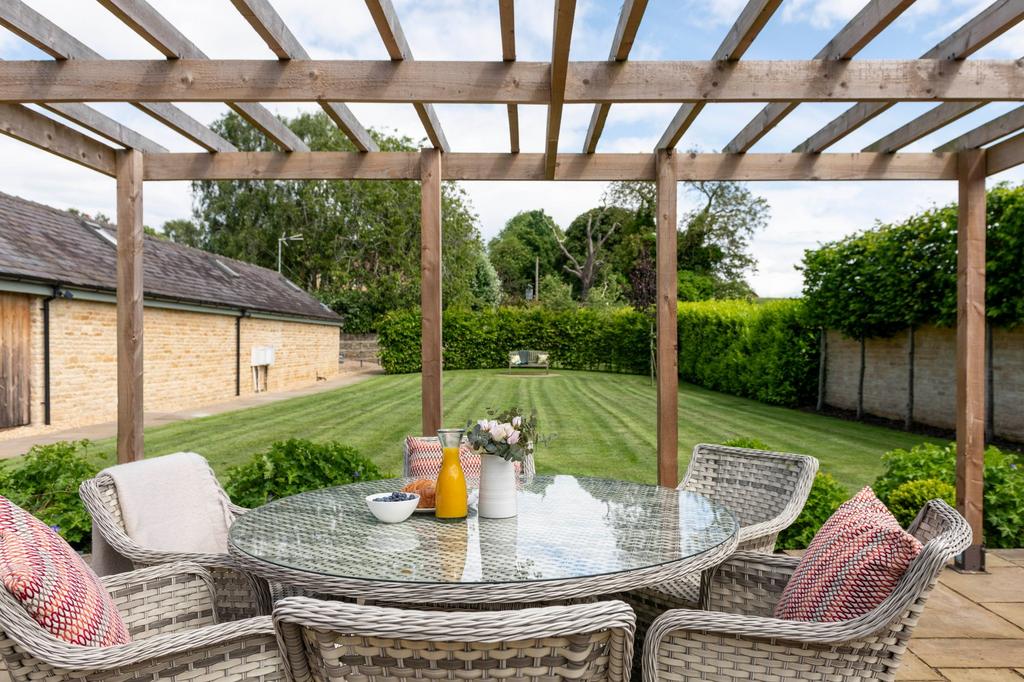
(140, 16)
(1005, 155)
(265, 20)
(26, 125)
(755, 15)
(384, 16)
(191, 80)
(926, 123)
(507, 19)
(625, 33)
(24, 21)
(1009, 123)
(985, 27)
(527, 166)
(858, 32)
(565, 13)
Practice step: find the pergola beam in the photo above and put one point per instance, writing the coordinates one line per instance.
(26, 125)
(507, 20)
(526, 166)
(129, 306)
(430, 290)
(858, 32)
(519, 82)
(1008, 123)
(667, 312)
(970, 353)
(985, 27)
(386, 19)
(24, 21)
(152, 26)
(565, 13)
(265, 20)
(750, 22)
(923, 125)
(625, 33)
(1005, 155)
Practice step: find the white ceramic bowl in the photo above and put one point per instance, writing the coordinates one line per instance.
(392, 512)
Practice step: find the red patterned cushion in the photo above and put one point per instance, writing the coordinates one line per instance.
(853, 563)
(425, 458)
(56, 587)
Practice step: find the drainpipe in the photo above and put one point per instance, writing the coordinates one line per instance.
(238, 350)
(57, 293)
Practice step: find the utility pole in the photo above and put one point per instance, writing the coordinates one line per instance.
(280, 243)
(536, 278)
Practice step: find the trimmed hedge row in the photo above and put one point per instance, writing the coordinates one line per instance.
(766, 352)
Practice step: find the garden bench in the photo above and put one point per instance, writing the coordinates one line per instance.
(528, 359)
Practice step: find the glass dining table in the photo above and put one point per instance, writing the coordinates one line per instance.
(573, 537)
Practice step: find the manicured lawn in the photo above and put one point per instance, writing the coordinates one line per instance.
(605, 424)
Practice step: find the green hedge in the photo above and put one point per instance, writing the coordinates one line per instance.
(766, 352)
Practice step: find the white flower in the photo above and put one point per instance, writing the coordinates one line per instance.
(501, 432)
(484, 425)
(517, 421)
(493, 427)
(513, 438)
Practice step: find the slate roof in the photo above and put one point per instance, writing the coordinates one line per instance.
(42, 244)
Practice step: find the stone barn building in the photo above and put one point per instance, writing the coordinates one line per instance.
(215, 328)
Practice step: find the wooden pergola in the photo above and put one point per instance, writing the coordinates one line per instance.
(944, 75)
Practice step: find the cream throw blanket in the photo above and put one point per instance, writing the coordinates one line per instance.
(171, 503)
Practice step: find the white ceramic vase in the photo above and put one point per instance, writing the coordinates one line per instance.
(497, 488)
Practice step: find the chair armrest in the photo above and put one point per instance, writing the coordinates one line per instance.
(165, 598)
(749, 583)
(236, 510)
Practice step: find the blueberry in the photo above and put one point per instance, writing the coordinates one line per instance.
(394, 497)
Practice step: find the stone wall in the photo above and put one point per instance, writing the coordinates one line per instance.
(189, 360)
(886, 369)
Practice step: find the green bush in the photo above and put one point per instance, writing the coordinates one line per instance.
(295, 466)
(45, 483)
(826, 496)
(748, 443)
(907, 500)
(766, 352)
(1004, 485)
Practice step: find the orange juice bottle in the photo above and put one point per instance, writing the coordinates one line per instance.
(450, 498)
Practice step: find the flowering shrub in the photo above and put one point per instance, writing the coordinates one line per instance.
(906, 501)
(510, 435)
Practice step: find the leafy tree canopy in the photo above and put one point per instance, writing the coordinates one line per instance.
(526, 237)
(360, 247)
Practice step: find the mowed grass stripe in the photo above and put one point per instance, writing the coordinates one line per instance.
(605, 424)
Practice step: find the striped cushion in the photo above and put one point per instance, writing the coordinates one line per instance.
(52, 582)
(853, 563)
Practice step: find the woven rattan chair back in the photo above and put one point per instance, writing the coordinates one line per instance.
(766, 490)
(329, 641)
(740, 634)
(239, 595)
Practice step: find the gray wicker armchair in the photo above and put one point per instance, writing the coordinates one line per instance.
(170, 613)
(326, 641)
(766, 491)
(239, 595)
(739, 634)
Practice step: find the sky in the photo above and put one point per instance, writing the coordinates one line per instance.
(802, 214)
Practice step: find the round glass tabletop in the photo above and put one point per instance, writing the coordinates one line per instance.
(568, 528)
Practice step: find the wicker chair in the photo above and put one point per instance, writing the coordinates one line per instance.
(740, 634)
(239, 595)
(169, 612)
(326, 641)
(766, 491)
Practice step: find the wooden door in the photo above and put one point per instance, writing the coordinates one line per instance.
(15, 359)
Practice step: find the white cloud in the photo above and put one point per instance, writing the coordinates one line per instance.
(821, 13)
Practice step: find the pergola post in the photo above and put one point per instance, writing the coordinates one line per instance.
(430, 287)
(970, 353)
(129, 306)
(667, 316)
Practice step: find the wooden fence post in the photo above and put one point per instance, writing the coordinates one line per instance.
(908, 420)
(970, 353)
(668, 318)
(822, 367)
(430, 287)
(129, 306)
(860, 379)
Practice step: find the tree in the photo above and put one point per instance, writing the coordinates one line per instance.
(486, 286)
(716, 234)
(183, 231)
(589, 245)
(360, 248)
(528, 237)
